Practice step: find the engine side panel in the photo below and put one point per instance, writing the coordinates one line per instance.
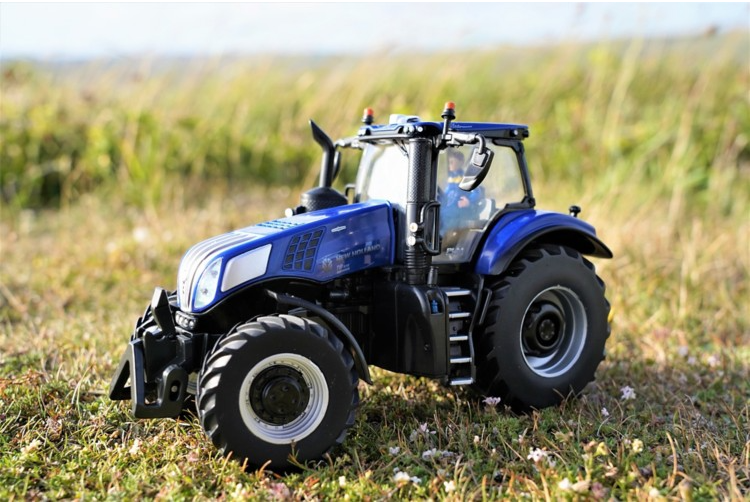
(317, 246)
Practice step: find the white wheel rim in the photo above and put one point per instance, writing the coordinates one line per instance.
(566, 355)
(305, 423)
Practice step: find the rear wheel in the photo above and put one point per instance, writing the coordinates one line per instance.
(277, 387)
(545, 330)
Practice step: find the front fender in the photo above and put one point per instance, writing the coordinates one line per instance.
(514, 231)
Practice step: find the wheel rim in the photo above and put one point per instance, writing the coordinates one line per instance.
(283, 398)
(279, 394)
(553, 332)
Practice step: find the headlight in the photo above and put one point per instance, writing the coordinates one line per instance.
(205, 292)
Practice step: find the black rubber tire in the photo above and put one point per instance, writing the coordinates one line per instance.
(229, 368)
(505, 366)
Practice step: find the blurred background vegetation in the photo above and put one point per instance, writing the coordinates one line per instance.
(650, 136)
(669, 116)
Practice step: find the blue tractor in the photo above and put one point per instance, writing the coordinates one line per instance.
(431, 264)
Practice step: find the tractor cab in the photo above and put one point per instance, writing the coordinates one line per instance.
(464, 215)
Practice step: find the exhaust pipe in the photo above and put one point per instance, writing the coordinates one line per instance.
(327, 164)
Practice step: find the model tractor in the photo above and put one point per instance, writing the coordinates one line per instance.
(435, 263)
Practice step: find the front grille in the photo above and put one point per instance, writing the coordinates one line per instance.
(300, 255)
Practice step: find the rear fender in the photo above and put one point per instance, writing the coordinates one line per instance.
(515, 231)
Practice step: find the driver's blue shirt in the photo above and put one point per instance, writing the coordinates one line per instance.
(451, 215)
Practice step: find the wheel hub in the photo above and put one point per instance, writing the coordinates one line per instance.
(543, 327)
(279, 394)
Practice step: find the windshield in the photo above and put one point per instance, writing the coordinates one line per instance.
(382, 174)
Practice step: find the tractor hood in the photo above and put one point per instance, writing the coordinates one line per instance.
(317, 246)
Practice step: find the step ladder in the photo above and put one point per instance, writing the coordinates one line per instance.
(461, 349)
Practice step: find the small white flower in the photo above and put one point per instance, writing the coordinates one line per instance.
(605, 412)
(342, 481)
(31, 447)
(537, 455)
(401, 477)
(394, 450)
(491, 401)
(637, 446)
(713, 360)
(141, 234)
(476, 439)
(565, 484)
(238, 489)
(581, 486)
(416, 480)
(279, 491)
(627, 393)
(429, 454)
(450, 486)
(424, 429)
(136, 447)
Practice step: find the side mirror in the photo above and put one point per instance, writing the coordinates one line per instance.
(478, 167)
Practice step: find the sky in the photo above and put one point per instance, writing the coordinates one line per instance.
(59, 31)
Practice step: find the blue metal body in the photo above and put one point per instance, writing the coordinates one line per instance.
(514, 230)
(327, 244)
(317, 246)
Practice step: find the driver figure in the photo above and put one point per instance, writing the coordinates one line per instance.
(456, 205)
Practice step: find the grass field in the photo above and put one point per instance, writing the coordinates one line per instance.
(109, 175)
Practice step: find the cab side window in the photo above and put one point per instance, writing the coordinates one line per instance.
(463, 215)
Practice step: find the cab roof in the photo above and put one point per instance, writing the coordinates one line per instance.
(412, 126)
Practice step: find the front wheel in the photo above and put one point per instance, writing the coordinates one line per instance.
(545, 329)
(278, 387)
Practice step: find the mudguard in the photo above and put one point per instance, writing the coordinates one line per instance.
(515, 230)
